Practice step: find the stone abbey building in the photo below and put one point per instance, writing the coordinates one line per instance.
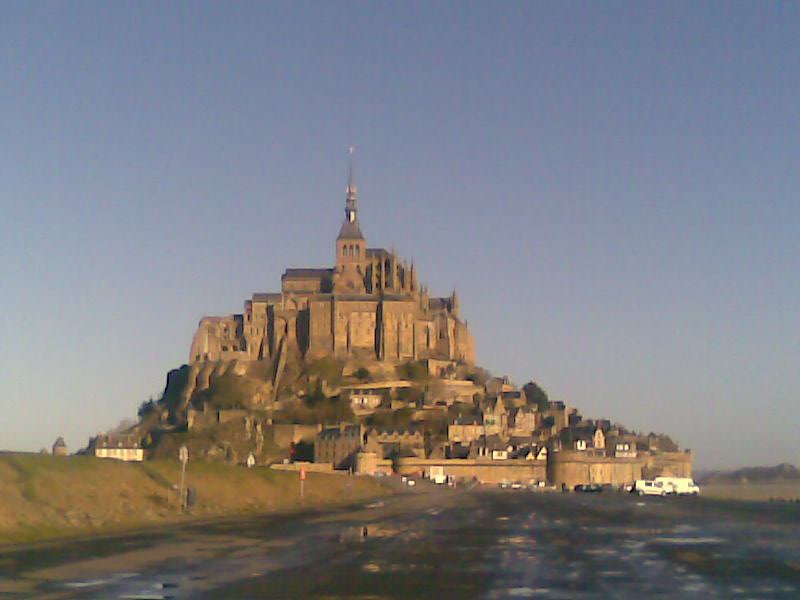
(369, 306)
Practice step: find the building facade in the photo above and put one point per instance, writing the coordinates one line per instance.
(369, 305)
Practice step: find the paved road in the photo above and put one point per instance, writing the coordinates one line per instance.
(487, 544)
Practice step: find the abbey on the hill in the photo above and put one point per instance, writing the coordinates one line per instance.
(369, 306)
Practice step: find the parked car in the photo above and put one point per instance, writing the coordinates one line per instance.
(647, 487)
(592, 488)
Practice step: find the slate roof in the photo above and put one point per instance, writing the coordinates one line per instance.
(438, 303)
(350, 231)
(265, 296)
(306, 273)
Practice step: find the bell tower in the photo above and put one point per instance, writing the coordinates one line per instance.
(351, 247)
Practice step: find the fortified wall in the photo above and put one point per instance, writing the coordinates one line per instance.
(570, 468)
(484, 470)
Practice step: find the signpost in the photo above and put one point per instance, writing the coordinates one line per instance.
(183, 455)
(251, 461)
(302, 479)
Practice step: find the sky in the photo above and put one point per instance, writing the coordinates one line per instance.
(612, 188)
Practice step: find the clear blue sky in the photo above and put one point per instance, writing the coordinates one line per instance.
(613, 188)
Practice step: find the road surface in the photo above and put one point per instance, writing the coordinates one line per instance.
(487, 544)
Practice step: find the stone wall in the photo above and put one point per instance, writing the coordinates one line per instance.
(570, 468)
(203, 419)
(320, 328)
(309, 467)
(668, 464)
(484, 470)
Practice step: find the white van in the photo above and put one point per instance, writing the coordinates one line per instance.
(436, 475)
(646, 487)
(682, 486)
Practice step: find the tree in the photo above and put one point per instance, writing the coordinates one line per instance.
(536, 395)
(413, 371)
(362, 374)
(146, 408)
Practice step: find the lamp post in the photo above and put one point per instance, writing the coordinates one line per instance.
(183, 455)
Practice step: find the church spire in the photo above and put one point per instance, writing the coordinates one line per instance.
(350, 229)
(350, 210)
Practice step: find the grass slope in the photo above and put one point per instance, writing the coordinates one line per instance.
(48, 496)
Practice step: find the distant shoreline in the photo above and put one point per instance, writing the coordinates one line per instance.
(754, 491)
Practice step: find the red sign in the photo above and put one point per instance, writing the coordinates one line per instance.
(302, 474)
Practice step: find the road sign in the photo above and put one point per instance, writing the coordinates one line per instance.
(302, 474)
(251, 461)
(183, 454)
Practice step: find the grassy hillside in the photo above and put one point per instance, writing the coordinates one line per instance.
(48, 496)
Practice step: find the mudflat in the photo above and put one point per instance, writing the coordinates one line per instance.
(441, 543)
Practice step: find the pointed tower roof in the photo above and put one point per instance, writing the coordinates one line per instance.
(350, 229)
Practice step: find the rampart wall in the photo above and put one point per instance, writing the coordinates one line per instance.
(569, 467)
(484, 470)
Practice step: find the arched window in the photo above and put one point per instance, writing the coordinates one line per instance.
(358, 251)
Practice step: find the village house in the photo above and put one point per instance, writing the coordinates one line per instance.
(338, 446)
(495, 416)
(465, 430)
(621, 446)
(523, 421)
(495, 386)
(514, 399)
(388, 443)
(489, 446)
(118, 446)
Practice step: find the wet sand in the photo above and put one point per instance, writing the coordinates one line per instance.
(441, 544)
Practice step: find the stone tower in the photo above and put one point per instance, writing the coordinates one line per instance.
(351, 247)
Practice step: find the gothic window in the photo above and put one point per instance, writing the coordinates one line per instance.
(358, 251)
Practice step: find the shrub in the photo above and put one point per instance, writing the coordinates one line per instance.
(327, 368)
(413, 371)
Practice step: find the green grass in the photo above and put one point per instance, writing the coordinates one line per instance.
(45, 497)
(155, 475)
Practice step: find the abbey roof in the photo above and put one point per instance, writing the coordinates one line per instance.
(306, 273)
(350, 231)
